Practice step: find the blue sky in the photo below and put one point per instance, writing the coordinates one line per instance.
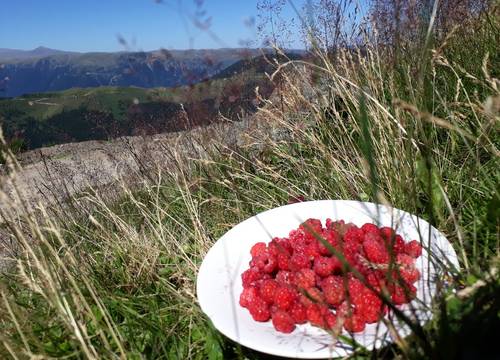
(95, 25)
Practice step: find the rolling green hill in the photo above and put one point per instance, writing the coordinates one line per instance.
(43, 119)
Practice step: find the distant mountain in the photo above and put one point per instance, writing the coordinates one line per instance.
(42, 119)
(9, 55)
(42, 69)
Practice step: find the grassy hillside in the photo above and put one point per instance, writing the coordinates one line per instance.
(416, 129)
(37, 120)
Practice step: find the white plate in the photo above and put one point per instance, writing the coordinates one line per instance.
(219, 278)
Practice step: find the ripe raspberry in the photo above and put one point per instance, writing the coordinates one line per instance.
(332, 238)
(404, 260)
(251, 276)
(354, 323)
(330, 320)
(387, 233)
(324, 266)
(409, 275)
(351, 251)
(264, 262)
(296, 236)
(402, 295)
(283, 261)
(315, 315)
(375, 251)
(370, 228)
(312, 250)
(333, 289)
(340, 227)
(311, 228)
(356, 290)
(376, 279)
(267, 290)
(407, 270)
(311, 296)
(259, 310)
(370, 307)
(299, 261)
(280, 246)
(258, 249)
(285, 277)
(298, 312)
(354, 234)
(283, 322)
(284, 297)
(248, 295)
(305, 279)
(413, 248)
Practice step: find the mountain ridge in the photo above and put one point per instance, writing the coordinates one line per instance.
(61, 70)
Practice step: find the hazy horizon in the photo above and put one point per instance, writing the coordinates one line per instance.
(131, 25)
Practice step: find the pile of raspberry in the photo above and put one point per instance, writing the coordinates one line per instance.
(299, 279)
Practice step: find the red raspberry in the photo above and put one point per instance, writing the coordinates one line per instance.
(283, 261)
(311, 228)
(387, 232)
(407, 269)
(335, 225)
(280, 246)
(312, 250)
(405, 260)
(353, 322)
(267, 290)
(248, 295)
(393, 242)
(371, 307)
(251, 276)
(376, 279)
(375, 251)
(410, 275)
(324, 266)
(332, 238)
(284, 297)
(413, 248)
(315, 315)
(356, 290)
(258, 249)
(305, 279)
(330, 319)
(285, 277)
(259, 310)
(333, 289)
(312, 296)
(264, 262)
(399, 245)
(370, 228)
(402, 295)
(283, 322)
(361, 266)
(296, 236)
(299, 261)
(354, 234)
(298, 312)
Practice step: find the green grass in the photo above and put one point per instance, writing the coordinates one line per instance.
(117, 279)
